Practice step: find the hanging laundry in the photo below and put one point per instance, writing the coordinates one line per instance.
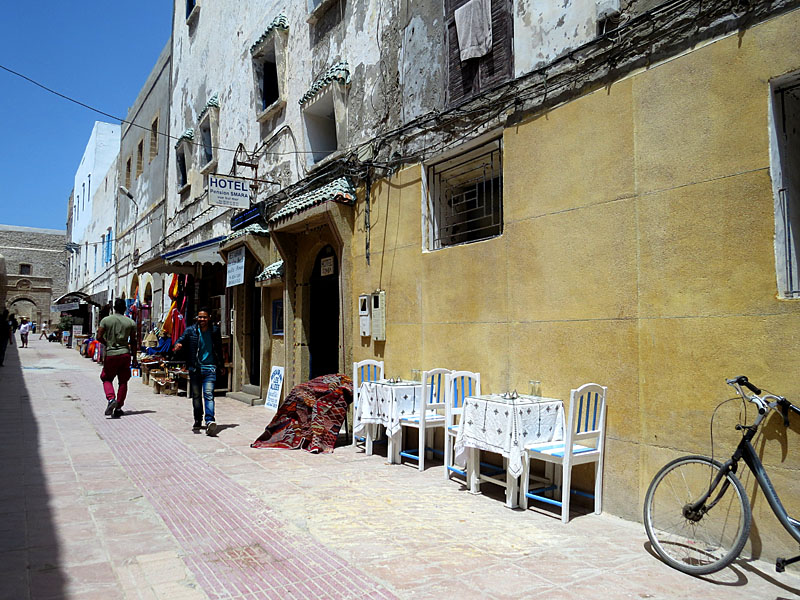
(474, 28)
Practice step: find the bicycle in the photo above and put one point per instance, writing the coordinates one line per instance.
(696, 512)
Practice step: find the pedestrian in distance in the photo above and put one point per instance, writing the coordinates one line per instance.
(43, 332)
(201, 344)
(118, 333)
(14, 324)
(5, 335)
(24, 330)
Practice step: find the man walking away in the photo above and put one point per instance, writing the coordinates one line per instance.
(118, 333)
(24, 330)
(43, 333)
(5, 335)
(203, 356)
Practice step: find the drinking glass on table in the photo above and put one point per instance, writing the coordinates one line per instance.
(536, 388)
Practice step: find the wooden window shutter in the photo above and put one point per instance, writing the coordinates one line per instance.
(497, 66)
(465, 79)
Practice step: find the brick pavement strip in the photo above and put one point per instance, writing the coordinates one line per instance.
(141, 508)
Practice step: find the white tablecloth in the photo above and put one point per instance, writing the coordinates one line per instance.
(384, 403)
(504, 426)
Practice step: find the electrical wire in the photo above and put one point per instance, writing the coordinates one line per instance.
(132, 123)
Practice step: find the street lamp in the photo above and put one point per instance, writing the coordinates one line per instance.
(126, 192)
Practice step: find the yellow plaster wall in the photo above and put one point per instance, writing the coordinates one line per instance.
(637, 252)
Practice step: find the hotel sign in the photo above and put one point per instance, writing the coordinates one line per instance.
(230, 192)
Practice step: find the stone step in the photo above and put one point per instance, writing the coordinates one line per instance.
(249, 399)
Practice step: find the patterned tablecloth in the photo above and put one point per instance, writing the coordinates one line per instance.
(505, 425)
(385, 403)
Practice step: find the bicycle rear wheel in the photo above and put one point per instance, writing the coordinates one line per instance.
(709, 541)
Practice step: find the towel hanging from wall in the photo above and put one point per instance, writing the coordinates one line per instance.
(474, 28)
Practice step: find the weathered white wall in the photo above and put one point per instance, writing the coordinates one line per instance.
(544, 30)
(213, 56)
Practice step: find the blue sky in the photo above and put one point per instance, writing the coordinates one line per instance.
(97, 52)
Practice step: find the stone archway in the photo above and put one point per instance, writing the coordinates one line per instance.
(134, 289)
(24, 306)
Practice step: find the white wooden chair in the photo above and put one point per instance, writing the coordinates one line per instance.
(584, 443)
(365, 370)
(460, 385)
(429, 416)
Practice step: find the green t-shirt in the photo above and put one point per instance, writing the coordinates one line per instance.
(116, 331)
(206, 353)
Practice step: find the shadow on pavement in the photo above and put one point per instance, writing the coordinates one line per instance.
(29, 547)
(129, 413)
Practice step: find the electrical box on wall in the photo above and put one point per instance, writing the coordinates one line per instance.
(363, 315)
(379, 316)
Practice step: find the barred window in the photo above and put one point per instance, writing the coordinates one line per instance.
(465, 197)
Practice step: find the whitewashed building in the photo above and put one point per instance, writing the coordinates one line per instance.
(91, 224)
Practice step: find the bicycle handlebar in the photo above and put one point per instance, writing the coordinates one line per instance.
(764, 405)
(742, 380)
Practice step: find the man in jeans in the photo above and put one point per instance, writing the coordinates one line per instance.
(203, 355)
(118, 333)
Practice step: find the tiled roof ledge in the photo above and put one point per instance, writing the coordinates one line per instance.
(186, 136)
(339, 190)
(273, 271)
(279, 23)
(339, 73)
(213, 102)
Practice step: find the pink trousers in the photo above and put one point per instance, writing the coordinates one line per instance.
(119, 367)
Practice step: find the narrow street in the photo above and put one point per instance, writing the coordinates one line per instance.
(143, 508)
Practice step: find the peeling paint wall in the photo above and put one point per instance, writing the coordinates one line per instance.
(422, 72)
(212, 56)
(544, 30)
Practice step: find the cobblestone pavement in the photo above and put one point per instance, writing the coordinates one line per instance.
(143, 508)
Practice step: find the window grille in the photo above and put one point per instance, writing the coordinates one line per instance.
(207, 147)
(154, 139)
(465, 197)
(139, 158)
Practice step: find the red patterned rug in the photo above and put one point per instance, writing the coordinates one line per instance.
(311, 415)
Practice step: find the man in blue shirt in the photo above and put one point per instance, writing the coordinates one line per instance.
(203, 359)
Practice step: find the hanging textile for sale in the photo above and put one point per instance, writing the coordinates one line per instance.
(166, 328)
(178, 324)
(173, 287)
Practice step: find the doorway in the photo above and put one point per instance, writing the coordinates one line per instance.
(324, 314)
(254, 318)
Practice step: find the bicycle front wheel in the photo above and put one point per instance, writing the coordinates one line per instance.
(704, 541)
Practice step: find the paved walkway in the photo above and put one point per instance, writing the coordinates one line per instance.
(144, 508)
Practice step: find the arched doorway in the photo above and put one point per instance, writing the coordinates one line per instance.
(323, 341)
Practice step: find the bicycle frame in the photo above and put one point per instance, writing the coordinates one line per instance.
(745, 451)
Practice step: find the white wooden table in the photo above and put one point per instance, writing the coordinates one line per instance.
(386, 403)
(493, 423)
